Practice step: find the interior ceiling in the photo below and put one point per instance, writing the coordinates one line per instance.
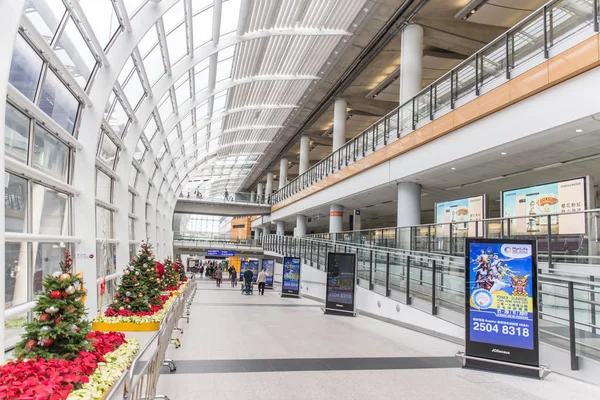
(447, 42)
(527, 162)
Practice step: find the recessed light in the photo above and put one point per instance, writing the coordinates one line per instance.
(578, 130)
(453, 169)
(503, 153)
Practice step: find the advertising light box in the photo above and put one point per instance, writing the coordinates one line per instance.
(341, 279)
(291, 276)
(462, 213)
(534, 202)
(269, 266)
(501, 301)
(220, 253)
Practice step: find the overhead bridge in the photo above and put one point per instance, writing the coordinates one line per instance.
(220, 207)
(207, 246)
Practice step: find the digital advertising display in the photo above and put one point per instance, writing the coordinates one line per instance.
(291, 276)
(220, 253)
(269, 266)
(341, 279)
(501, 300)
(534, 202)
(254, 266)
(243, 267)
(462, 213)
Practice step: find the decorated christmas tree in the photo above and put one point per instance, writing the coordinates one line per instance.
(59, 329)
(181, 270)
(130, 295)
(171, 277)
(149, 281)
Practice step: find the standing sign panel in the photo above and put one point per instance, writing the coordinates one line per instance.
(341, 279)
(291, 276)
(501, 303)
(243, 267)
(254, 267)
(269, 266)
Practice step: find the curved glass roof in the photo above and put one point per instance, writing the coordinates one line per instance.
(209, 85)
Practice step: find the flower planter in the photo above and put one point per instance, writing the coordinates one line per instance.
(126, 326)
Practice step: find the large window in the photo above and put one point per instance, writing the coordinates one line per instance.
(108, 151)
(16, 136)
(25, 69)
(104, 187)
(50, 211)
(50, 155)
(15, 204)
(131, 229)
(106, 262)
(58, 102)
(104, 223)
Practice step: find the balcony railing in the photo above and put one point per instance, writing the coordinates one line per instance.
(555, 27)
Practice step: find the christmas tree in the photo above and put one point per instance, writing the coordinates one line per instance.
(181, 270)
(149, 281)
(130, 294)
(171, 277)
(59, 329)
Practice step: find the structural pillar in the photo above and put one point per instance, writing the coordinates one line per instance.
(300, 225)
(269, 187)
(336, 221)
(252, 197)
(260, 192)
(411, 62)
(304, 154)
(340, 114)
(409, 211)
(283, 170)
(357, 221)
(281, 228)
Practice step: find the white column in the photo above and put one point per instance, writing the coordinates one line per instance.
(260, 194)
(411, 62)
(11, 13)
(283, 170)
(304, 154)
(357, 220)
(252, 197)
(300, 225)
(269, 186)
(266, 229)
(281, 228)
(340, 114)
(409, 204)
(336, 218)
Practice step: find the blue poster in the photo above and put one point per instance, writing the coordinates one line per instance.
(291, 275)
(269, 266)
(243, 268)
(220, 253)
(254, 267)
(501, 294)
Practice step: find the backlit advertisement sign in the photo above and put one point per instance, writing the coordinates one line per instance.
(533, 203)
(462, 213)
(501, 300)
(291, 276)
(341, 279)
(269, 266)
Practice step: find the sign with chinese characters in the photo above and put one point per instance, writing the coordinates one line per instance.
(501, 298)
(291, 276)
(341, 279)
(220, 253)
(462, 213)
(269, 266)
(534, 202)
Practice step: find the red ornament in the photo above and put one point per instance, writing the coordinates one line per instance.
(70, 309)
(127, 300)
(118, 295)
(46, 342)
(57, 321)
(55, 294)
(44, 317)
(30, 345)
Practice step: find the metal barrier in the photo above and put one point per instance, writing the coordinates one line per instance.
(140, 381)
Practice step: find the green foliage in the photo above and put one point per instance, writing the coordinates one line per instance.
(171, 277)
(151, 284)
(59, 328)
(181, 270)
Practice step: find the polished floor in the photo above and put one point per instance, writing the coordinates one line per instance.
(267, 347)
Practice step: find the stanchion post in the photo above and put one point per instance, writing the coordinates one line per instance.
(433, 285)
(408, 280)
(572, 338)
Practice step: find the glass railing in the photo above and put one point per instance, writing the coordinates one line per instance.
(192, 238)
(581, 245)
(237, 197)
(434, 283)
(553, 28)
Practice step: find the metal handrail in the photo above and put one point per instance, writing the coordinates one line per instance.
(321, 167)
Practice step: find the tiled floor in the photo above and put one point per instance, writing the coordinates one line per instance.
(251, 347)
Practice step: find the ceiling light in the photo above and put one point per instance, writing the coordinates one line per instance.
(578, 130)
(503, 153)
(453, 169)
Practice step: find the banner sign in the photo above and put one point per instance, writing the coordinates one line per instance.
(269, 266)
(220, 253)
(460, 212)
(254, 267)
(501, 299)
(533, 202)
(243, 268)
(291, 276)
(341, 279)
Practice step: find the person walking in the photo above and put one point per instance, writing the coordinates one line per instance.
(262, 281)
(201, 272)
(248, 280)
(232, 276)
(226, 195)
(218, 276)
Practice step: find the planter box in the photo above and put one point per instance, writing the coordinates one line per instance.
(126, 326)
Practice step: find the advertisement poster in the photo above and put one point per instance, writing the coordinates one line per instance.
(243, 267)
(269, 266)
(533, 203)
(341, 279)
(462, 213)
(254, 266)
(501, 297)
(291, 276)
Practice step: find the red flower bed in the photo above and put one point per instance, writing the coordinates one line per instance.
(172, 288)
(54, 379)
(128, 313)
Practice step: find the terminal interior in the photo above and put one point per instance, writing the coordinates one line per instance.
(244, 133)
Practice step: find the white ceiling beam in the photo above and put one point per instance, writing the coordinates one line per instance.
(216, 27)
(81, 19)
(141, 68)
(244, 17)
(189, 26)
(125, 101)
(125, 21)
(162, 40)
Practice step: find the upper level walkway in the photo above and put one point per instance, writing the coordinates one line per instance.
(273, 348)
(216, 245)
(482, 102)
(222, 206)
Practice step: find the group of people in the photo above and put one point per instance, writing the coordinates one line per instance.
(490, 272)
(214, 270)
(261, 279)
